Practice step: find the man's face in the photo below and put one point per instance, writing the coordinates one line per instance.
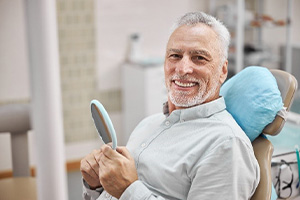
(193, 66)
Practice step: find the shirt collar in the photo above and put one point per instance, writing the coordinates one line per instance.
(201, 111)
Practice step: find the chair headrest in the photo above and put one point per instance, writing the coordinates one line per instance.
(15, 118)
(287, 85)
(253, 99)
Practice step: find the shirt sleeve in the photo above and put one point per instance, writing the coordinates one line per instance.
(89, 194)
(138, 191)
(229, 171)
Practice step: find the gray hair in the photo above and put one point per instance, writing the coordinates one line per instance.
(194, 18)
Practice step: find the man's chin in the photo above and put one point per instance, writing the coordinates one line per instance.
(184, 103)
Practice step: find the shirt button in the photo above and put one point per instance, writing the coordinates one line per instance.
(143, 145)
(107, 195)
(182, 120)
(167, 123)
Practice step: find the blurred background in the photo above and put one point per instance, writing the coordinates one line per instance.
(113, 51)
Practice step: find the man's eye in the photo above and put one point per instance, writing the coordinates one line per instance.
(200, 58)
(174, 56)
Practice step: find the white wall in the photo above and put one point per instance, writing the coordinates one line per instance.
(14, 79)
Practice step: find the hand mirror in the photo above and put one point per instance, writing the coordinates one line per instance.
(103, 123)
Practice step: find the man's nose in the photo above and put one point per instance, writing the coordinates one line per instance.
(185, 66)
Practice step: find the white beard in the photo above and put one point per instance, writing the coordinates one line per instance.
(181, 99)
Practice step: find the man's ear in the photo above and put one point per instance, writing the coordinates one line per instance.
(224, 72)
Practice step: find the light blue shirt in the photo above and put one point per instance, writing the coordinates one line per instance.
(196, 153)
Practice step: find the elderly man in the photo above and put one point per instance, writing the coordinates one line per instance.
(195, 150)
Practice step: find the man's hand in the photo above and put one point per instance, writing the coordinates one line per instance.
(116, 170)
(90, 169)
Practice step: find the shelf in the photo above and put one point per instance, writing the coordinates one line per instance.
(241, 21)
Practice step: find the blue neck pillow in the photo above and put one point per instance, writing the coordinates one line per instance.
(253, 99)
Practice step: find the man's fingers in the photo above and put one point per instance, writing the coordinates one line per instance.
(89, 168)
(109, 144)
(93, 165)
(87, 177)
(102, 159)
(91, 181)
(124, 151)
(90, 165)
(108, 151)
(85, 168)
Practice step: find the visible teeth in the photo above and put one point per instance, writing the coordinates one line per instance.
(184, 84)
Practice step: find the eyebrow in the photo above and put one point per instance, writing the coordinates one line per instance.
(198, 51)
(176, 50)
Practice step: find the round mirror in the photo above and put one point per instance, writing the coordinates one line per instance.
(103, 123)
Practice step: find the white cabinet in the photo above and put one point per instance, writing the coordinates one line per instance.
(143, 94)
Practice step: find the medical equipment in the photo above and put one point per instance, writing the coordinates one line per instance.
(298, 162)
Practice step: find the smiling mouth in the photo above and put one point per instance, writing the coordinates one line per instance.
(185, 84)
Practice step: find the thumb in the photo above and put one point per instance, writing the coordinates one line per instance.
(124, 151)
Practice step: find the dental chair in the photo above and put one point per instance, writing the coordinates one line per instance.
(15, 120)
(259, 99)
(263, 149)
